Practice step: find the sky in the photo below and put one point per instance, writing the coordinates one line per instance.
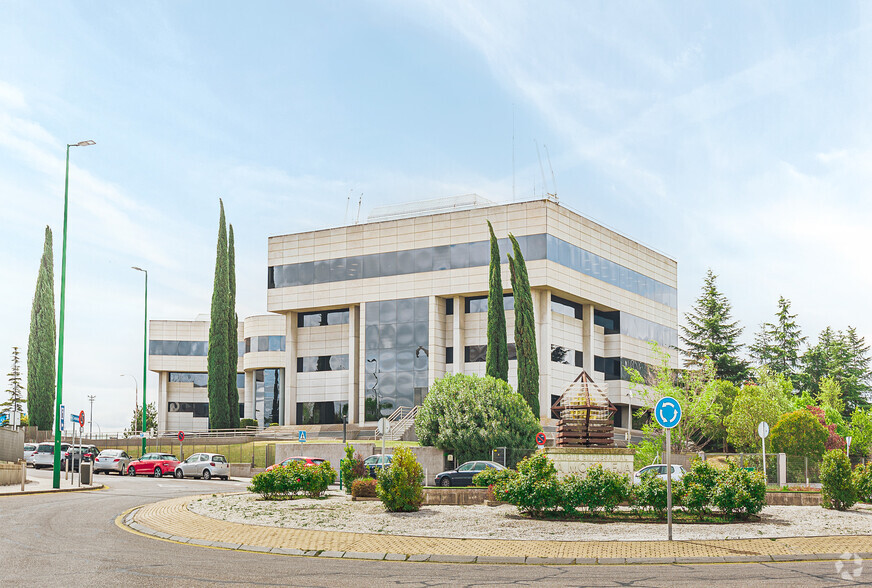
(731, 136)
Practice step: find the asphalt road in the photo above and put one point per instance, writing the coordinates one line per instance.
(71, 539)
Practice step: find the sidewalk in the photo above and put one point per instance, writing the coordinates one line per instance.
(41, 486)
(171, 520)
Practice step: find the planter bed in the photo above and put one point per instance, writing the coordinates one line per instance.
(789, 498)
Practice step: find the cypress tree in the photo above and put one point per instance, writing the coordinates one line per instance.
(711, 334)
(233, 337)
(525, 330)
(778, 345)
(41, 374)
(219, 413)
(497, 349)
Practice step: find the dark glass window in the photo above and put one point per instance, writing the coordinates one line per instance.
(180, 348)
(478, 353)
(240, 381)
(479, 303)
(459, 256)
(449, 307)
(610, 366)
(479, 253)
(321, 319)
(180, 407)
(449, 355)
(263, 343)
(276, 343)
(565, 307)
(405, 262)
(201, 409)
(322, 363)
(441, 258)
(610, 321)
(321, 413)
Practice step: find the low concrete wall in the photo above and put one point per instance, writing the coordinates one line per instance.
(577, 460)
(11, 445)
(793, 498)
(10, 473)
(455, 496)
(430, 458)
(244, 470)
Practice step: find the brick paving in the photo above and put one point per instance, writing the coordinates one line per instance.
(171, 518)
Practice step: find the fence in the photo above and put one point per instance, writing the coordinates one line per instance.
(258, 454)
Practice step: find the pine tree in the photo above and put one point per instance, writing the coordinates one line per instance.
(13, 406)
(497, 349)
(844, 357)
(219, 412)
(41, 374)
(778, 345)
(232, 337)
(710, 334)
(525, 330)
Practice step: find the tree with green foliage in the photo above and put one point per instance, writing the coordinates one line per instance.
(765, 401)
(799, 433)
(471, 415)
(41, 358)
(13, 406)
(150, 420)
(830, 395)
(497, 365)
(725, 395)
(710, 333)
(837, 484)
(232, 336)
(525, 329)
(218, 365)
(860, 431)
(401, 486)
(844, 357)
(777, 346)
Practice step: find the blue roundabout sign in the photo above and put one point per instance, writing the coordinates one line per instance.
(667, 412)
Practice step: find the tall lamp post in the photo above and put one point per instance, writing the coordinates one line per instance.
(56, 478)
(144, 354)
(91, 418)
(135, 390)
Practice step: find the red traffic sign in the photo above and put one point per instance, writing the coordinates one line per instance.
(540, 439)
(181, 435)
(82, 418)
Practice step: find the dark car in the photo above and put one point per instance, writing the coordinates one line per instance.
(76, 453)
(375, 463)
(462, 476)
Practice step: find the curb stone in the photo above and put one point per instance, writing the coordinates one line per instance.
(331, 554)
(395, 557)
(364, 555)
(453, 558)
(551, 560)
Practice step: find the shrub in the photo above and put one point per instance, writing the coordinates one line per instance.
(650, 494)
(698, 486)
(470, 415)
(363, 487)
(492, 477)
(739, 491)
(401, 486)
(600, 489)
(265, 484)
(863, 482)
(837, 490)
(535, 489)
(799, 433)
(293, 479)
(314, 480)
(243, 423)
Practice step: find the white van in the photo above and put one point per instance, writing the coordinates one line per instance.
(29, 452)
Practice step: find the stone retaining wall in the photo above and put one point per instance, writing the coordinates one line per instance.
(458, 496)
(793, 498)
(10, 473)
(577, 460)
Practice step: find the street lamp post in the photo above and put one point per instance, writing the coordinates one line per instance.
(91, 418)
(56, 478)
(135, 390)
(144, 354)
(374, 387)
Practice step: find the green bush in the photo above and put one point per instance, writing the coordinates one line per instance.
(863, 482)
(799, 433)
(599, 489)
(697, 487)
(492, 477)
(739, 492)
(837, 490)
(535, 489)
(351, 467)
(293, 479)
(363, 487)
(243, 423)
(401, 486)
(314, 480)
(650, 494)
(265, 484)
(470, 415)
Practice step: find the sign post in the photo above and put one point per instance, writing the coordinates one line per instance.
(62, 417)
(540, 439)
(763, 431)
(668, 414)
(302, 437)
(182, 444)
(384, 426)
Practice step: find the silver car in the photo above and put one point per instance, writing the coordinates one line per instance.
(29, 452)
(111, 460)
(44, 456)
(659, 470)
(204, 465)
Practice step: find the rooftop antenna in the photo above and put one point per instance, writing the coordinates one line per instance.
(360, 200)
(541, 168)
(347, 204)
(552, 196)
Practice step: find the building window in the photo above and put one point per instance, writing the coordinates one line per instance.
(269, 398)
(609, 321)
(183, 348)
(478, 353)
(322, 363)
(321, 413)
(200, 379)
(479, 303)
(449, 355)
(265, 343)
(566, 356)
(449, 306)
(565, 307)
(610, 366)
(323, 318)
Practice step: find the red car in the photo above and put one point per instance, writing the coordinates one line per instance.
(156, 464)
(306, 461)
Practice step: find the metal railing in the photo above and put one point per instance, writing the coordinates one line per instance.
(401, 420)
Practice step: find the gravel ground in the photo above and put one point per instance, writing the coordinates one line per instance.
(338, 513)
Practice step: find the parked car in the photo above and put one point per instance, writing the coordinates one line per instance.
(659, 470)
(112, 460)
(462, 476)
(306, 461)
(205, 466)
(376, 462)
(29, 452)
(76, 453)
(44, 456)
(156, 464)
